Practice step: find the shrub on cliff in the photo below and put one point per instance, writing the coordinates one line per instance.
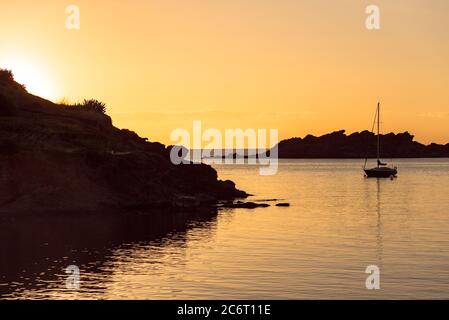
(94, 105)
(6, 75)
(87, 105)
(7, 78)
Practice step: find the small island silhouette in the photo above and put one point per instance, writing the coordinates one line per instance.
(339, 145)
(359, 145)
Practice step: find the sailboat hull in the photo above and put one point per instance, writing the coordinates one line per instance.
(381, 172)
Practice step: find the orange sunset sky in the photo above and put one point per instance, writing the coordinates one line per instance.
(302, 66)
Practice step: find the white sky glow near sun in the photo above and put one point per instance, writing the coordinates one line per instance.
(35, 78)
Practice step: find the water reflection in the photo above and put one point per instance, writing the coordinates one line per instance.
(373, 199)
(319, 248)
(35, 251)
(379, 223)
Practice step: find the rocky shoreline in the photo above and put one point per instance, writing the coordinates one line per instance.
(58, 158)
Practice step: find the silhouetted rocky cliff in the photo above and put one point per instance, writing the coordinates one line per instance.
(359, 145)
(69, 158)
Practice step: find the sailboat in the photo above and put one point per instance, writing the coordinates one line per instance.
(382, 170)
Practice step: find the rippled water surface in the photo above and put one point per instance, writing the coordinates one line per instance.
(338, 224)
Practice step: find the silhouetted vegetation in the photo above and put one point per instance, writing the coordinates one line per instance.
(87, 105)
(94, 105)
(64, 102)
(6, 75)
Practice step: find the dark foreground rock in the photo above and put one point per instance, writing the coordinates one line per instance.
(283, 205)
(57, 158)
(243, 205)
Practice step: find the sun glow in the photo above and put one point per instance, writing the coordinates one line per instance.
(35, 78)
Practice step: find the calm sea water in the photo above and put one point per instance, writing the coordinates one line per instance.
(338, 224)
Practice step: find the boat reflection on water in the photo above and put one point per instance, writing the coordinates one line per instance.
(379, 224)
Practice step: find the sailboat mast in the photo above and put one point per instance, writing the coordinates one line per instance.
(378, 133)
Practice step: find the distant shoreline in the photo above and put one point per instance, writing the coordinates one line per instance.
(358, 145)
(355, 158)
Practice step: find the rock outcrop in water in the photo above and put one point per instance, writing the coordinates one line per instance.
(359, 145)
(56, 158)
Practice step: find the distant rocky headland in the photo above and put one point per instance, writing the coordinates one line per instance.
(339, 145)
(58, 157)
(359, 145)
